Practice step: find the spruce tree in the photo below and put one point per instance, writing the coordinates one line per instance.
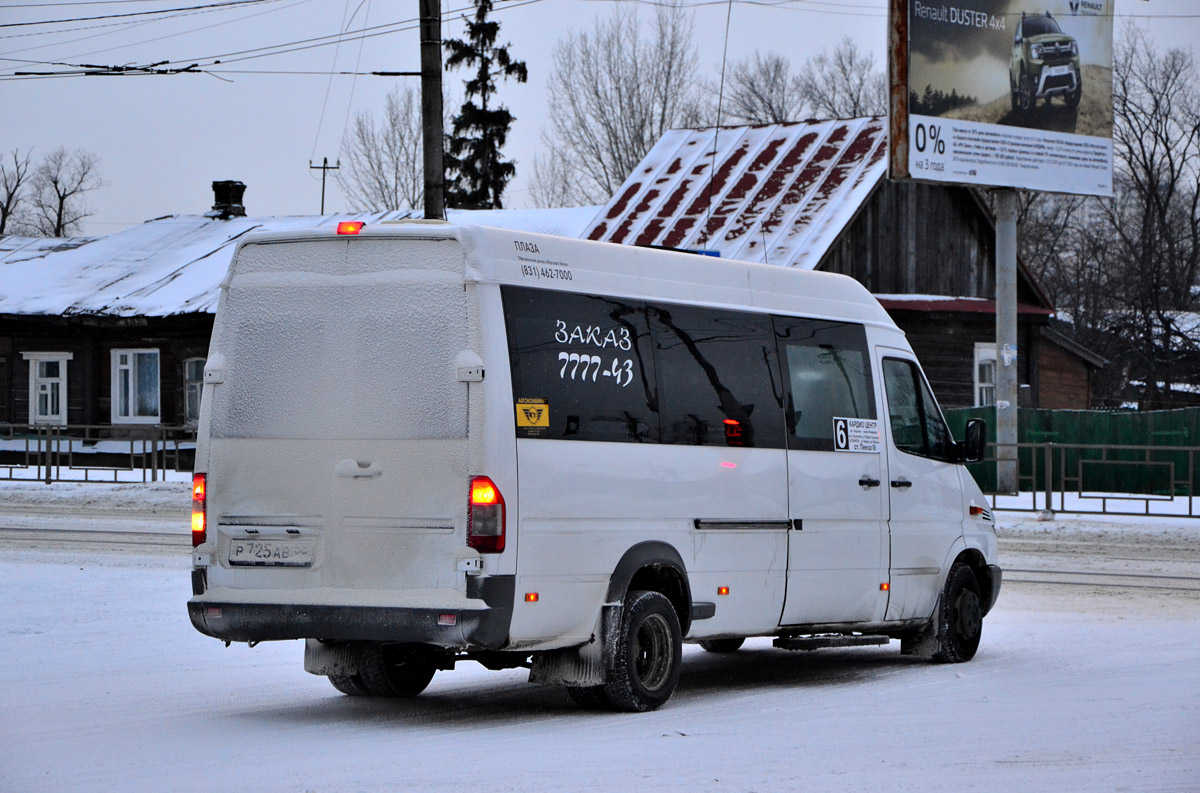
(476, 174)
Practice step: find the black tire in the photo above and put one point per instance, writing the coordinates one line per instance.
(588, 697)
(1074, 96)
(1025, 97)
(649, 654)
(722, 645)
(1012, 95)
(350, 685)
(960, 617)
(393, 671)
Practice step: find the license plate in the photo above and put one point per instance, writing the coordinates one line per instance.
(272, 552)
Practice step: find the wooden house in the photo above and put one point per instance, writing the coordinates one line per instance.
(816, 195)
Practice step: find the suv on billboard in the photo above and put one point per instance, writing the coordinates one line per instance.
(1045, 63)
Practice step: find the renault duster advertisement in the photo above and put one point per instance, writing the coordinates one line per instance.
(1008, 93)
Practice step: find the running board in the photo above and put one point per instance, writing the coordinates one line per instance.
(832, 640)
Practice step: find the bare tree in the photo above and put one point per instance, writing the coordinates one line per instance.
(381, 161)
(615, 89)
(552, 184)
(13, 180)
(1126, 271)
(844, 84)
(1153, 219)
(761, 89)
(59, 184)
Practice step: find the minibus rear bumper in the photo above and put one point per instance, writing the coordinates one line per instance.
(481, 621)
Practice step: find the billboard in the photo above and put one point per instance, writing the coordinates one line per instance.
(1003, 93)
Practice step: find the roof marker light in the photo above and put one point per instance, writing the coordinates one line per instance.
(350, 226)
(722, 590)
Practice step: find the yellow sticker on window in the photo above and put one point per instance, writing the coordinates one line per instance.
(533, 413)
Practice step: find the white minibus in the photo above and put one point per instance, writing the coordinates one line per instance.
(423, 443)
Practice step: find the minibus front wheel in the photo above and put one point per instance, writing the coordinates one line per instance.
(649, 654)
(960, 616)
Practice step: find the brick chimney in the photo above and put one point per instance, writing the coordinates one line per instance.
(227, 200)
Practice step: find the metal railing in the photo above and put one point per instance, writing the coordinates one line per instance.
(1096, 478)
(94, 452)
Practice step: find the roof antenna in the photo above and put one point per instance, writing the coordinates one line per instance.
(762, 229)
(712, 166)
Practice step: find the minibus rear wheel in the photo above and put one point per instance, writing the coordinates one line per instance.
(350, 685)
(960, 616)
(588, 697)
(394, 670)
(649, 654)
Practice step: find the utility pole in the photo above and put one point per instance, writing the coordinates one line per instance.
(431, 108)
(1006, 341)
(324, 168)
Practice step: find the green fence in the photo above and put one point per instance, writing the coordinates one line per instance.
(1127, 452)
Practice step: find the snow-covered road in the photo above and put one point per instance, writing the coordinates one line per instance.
(105, 686)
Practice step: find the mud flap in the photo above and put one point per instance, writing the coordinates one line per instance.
(924, 643)
(589, 665)
(330, 659)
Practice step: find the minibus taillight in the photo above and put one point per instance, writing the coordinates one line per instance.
(199, 510)
(485, 516)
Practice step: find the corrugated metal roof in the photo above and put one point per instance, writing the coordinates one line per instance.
(174, 265)
(778, 194)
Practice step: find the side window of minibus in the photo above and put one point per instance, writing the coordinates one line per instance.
(718, 377)
(917, 426)
(828, 375)
(582, 366)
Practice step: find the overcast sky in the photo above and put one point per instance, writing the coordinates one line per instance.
(162, 140)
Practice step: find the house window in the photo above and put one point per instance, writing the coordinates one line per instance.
(47, 386)
(193, 385)
(135, 386)
(985, 374)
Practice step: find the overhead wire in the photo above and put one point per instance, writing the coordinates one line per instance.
(329, 83)
(163, 11)
(357, 64)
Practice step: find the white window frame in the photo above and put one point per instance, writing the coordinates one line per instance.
(115, 393)
(188, 385)
(984, 353)
(35, 381)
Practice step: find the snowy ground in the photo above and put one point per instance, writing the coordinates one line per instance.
(106, 686)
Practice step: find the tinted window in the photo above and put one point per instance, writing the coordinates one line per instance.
(718, 377)
(917, 425)
(582, 366)
(828, 375)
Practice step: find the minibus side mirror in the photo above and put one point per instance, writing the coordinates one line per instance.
(975, 441)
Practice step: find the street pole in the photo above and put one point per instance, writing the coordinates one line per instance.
(1006, 341)
(431, 108)
(324, 168)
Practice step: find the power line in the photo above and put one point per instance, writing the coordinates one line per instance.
(226, 4)
(77, 3)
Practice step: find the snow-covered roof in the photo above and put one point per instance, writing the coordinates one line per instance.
(174, 264)
(779, 194)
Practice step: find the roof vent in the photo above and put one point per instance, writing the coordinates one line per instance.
(227, 200)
